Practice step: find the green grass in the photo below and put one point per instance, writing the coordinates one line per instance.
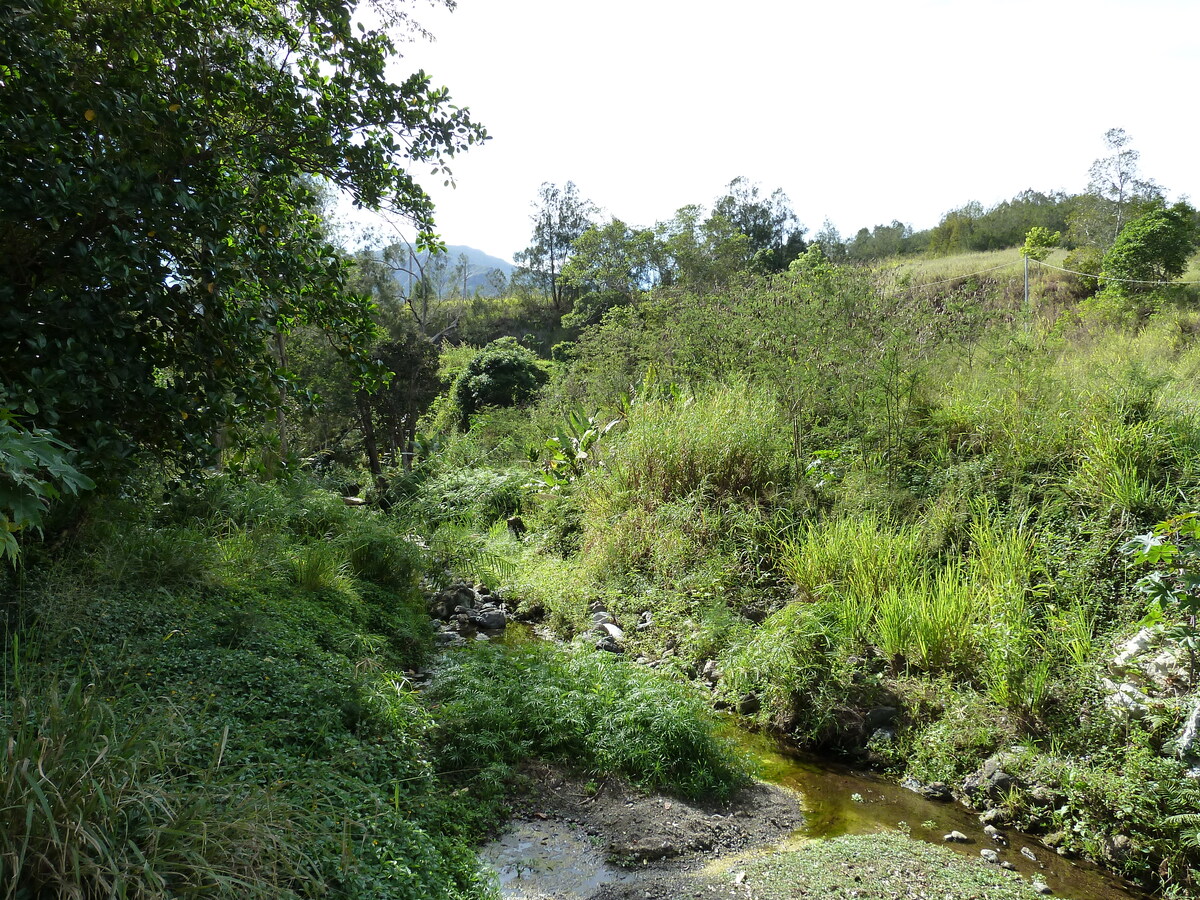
(878, 867)
(591, 710)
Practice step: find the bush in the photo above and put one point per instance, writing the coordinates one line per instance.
(501, 374)
(590, 709)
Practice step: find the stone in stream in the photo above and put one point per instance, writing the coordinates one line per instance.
(956, 837)
(1028, 854)
(749, 705)
(1040, 887)
(990, 855)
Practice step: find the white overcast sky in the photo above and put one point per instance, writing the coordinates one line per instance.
(863, 111)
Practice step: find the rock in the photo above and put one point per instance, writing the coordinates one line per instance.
(956, 837)
(880, 717)
(609, 645)
(1118, 848)
(1029, 854)
(749, 705)
(354, 501)
(709, 671)
(997, 815)
(1008, 866)
(490, 619)
(990, 855)
(1139, 643)
(1040, 887)
(994, 833)
(1055, 839)
(1125, 699)
(1042, 796)
(1190, 733)
(935, 791)
(602, 617)
(881, 736)
(613, 631)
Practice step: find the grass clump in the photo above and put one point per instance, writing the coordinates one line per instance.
(592, 710)
(95, 805)
(879, 867)
(726, 441)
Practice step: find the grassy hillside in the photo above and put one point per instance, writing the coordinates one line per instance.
(833, 493)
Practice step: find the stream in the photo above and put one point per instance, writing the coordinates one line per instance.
(533, 861)
(839, 801)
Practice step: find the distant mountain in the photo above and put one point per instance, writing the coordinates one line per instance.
(443, 270)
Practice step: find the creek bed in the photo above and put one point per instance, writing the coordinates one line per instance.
(839, 801)
(540, 859)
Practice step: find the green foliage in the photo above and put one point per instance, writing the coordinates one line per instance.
(727, 442)
(593, 710)
(94, 804)
(159, 185)
(35, 469)
(1172, 590)
(501, 374)
(1039, 242)
(282, 751)
(787, 664)
(1151, 250)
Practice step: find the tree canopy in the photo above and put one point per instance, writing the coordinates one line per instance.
(159, 221)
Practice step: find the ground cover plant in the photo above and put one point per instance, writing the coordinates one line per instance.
(214, 688)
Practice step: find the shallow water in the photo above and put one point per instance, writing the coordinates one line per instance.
(840, 801)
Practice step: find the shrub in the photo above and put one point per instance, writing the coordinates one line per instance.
(501, 374)
(591, 709)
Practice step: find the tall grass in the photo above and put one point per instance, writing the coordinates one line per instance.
(929, 624)
(854, 558)
(93, 806)
(726, 441)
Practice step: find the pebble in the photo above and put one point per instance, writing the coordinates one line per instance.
(956, 837)
(990, 855)
(1041, 887)
(1028, 854)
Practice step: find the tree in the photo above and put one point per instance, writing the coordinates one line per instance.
(829, 239)
(1153, 248)
(1039, 242)
(775, 235)
(700, 252)
(560, 216)
(610, 265)
(159, 204)
(1115, 193)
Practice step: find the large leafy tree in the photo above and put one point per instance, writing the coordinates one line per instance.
(159, 226)
(611, 265)
(775, 235)
(1152, 249)
(1116, 194)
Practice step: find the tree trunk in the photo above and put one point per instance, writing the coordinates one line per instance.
(362, 401)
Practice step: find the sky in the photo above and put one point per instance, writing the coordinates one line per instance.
(862, 111)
